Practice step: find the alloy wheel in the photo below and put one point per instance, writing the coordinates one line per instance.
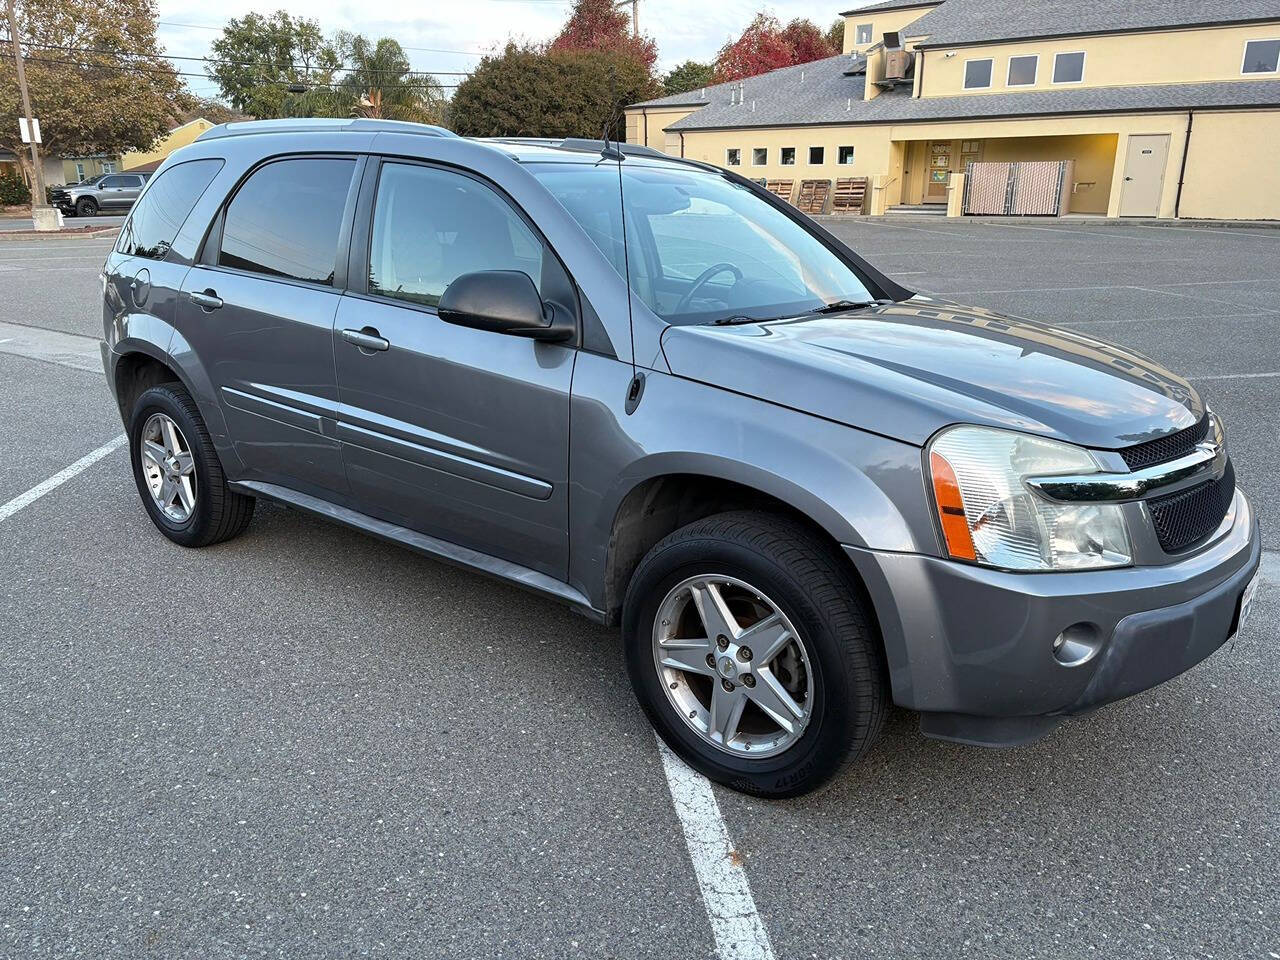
(168, 467)
(733, 666)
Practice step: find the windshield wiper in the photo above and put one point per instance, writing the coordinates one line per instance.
(732, 321)
(835, 306)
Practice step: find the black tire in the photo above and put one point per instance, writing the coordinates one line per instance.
(86, 207)
(219, 512)
(804, 577)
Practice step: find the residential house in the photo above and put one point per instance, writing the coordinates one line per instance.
(1165, 109)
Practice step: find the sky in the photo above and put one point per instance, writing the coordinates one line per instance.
(449, 36)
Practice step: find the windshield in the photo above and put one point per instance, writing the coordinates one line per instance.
(699, 248)
(90, 181)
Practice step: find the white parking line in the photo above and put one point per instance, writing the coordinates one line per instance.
(58, 479)
(735, 922)
(1235, 376)
(1270, 566)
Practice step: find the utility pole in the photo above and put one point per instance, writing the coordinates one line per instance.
(635, 22)
(39, 204)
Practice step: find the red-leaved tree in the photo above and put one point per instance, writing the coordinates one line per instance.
(766, 45)
(597, 26)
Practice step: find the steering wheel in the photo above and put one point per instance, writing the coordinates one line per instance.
(703, 277)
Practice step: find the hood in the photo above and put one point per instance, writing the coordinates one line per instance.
(905, 370)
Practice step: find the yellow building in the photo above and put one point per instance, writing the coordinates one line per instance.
(179, 136)
(1162, 109)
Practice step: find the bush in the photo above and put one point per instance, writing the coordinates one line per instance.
(13, 191)
(528, 93)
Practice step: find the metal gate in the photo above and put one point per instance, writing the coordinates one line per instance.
(1030, 188)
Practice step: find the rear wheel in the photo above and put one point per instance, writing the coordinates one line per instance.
(178, 473)
(749, 649)
(86, 207)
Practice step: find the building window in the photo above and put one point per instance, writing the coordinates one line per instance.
(977, 74)
(759, 156)
(108, 166)
(844, 155)
(815, 155)
(79, 172)
(1261, 56)
(1022, 71)
(733, 157)
(863, 35)
(1068, 67)
(788, 158)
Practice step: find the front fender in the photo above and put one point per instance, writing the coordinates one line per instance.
(862, 489)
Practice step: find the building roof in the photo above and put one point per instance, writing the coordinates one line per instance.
(690, 98)
(822, 92)
(890, 5)
(959, 22)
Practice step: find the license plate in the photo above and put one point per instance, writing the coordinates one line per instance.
(1247, 598)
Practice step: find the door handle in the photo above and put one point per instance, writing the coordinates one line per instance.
(1128, 179)
(208, 300)
(366, 339)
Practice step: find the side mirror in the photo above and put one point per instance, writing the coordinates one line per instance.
(504, 301)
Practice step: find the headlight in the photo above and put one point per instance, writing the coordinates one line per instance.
(990, 516)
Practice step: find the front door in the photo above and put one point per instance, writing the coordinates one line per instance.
(119, 190)
(458, 433)
(1144, 165)
(939, 171)
(259, 313)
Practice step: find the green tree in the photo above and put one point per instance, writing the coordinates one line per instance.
(98, 83)
(690, 75)
(257, 60)
(527, 92)
(380, 82)
(835, 35)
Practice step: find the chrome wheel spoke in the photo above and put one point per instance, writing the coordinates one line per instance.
(767, 638)
(770, 696)
(171, 443)
(713, 611)
(687, 655)
(186, 493)
(186, 464)
(726, 712)
(168, 467)
(154, 452)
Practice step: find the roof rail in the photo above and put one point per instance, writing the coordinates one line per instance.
(319, 124)
(582, 145)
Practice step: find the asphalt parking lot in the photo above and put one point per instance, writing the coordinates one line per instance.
(306, 743)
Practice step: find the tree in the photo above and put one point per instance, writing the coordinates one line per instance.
(690, 75)
(599, 26)
(192, 107)
(379, 82)
(835, 36)
(258, 58)
(98, 83)
(766, 45)
(528, 92)
(807, 42)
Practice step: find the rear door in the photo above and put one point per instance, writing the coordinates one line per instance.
(459, 433)
(259, 308)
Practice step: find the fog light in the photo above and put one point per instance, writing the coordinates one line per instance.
(1077, 644)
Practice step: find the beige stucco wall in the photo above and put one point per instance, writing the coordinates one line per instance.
(647, 127)
(1175, 56)
(177, 137)
(1232, 167)
(886, 150)
(880, 20)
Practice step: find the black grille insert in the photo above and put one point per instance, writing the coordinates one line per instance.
(1166, 448)
(1184, 519)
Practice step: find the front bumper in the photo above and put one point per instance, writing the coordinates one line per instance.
(972, 648)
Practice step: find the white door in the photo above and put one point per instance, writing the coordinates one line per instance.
(1144, 165)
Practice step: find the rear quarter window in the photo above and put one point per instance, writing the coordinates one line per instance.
(162, 210)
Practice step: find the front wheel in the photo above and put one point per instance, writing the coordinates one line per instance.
(749, 649)
(86, 207)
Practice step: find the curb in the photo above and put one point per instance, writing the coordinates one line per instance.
(59, 234)
(1065, 221)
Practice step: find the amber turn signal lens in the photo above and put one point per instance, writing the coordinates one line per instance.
(946, 491)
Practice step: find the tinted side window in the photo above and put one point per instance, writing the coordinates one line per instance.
(284, 220)
(431, 226)
(157, 217)
(111, 182)
(131, 181)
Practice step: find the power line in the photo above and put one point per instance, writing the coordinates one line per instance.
(235, 63)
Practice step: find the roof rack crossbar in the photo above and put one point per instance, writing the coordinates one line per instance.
(242, 128)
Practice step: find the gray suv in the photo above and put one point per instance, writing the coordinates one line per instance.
(647, 388)
(106, 193)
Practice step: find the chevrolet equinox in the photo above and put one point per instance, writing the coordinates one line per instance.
(647, 388)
